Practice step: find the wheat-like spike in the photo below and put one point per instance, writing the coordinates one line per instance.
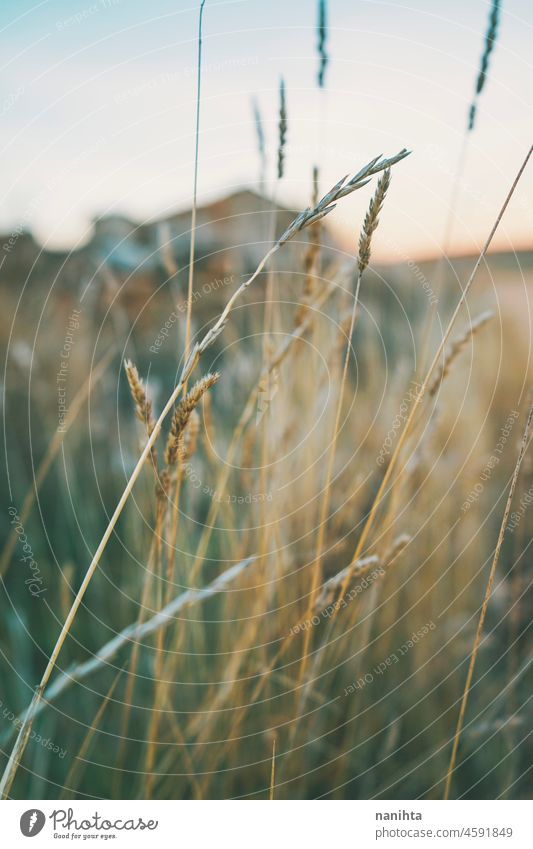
(314, 246)
(260, 135)
(490, 40)
(340, 190)
(303, 220)
(143, 405)
(182, 414)
(327, 593)
(322, 32)
(456, 347)
(359, 568)
(398, 545)
(282, 129)
(372, 219)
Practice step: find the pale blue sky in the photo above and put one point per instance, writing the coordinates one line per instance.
(97, 109)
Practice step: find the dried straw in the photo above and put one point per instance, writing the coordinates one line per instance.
(340, 190)
(182, 414)
(456, 347)
(303, 220)
(484, 606)
(490, 40)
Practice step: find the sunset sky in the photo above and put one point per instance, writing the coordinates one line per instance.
(97, 103)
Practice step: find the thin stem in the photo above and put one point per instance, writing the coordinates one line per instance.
(195, 183)
(273, 769)
(324, 507)
(418, 397)
(484, 606)
(446, 248)
(303, 220)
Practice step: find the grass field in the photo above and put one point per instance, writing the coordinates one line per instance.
(315, 583)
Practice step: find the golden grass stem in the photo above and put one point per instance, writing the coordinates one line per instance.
(445, 252)
(273, 770)
(303, 220)
(195, 182)
(325, 502)
(136, 632)
(484, 606)
(437, 357)
(245, 417)
(369, 226)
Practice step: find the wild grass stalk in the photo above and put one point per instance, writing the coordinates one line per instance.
(134, 634)
(273, 770)
(490, 40)
(369, 226)
(261, 144)
(456, 347)
(192, 247)
(405, 431)
(485, 604)
(247, 415)
(268, 386)
(377, 500)
(322, 34)
(282, 130)
(343, 188)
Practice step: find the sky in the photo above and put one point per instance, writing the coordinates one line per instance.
(97, 108)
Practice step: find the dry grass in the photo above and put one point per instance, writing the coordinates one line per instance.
(485, 604)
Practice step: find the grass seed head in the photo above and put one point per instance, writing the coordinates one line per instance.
(181, 416)
(372, 219)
